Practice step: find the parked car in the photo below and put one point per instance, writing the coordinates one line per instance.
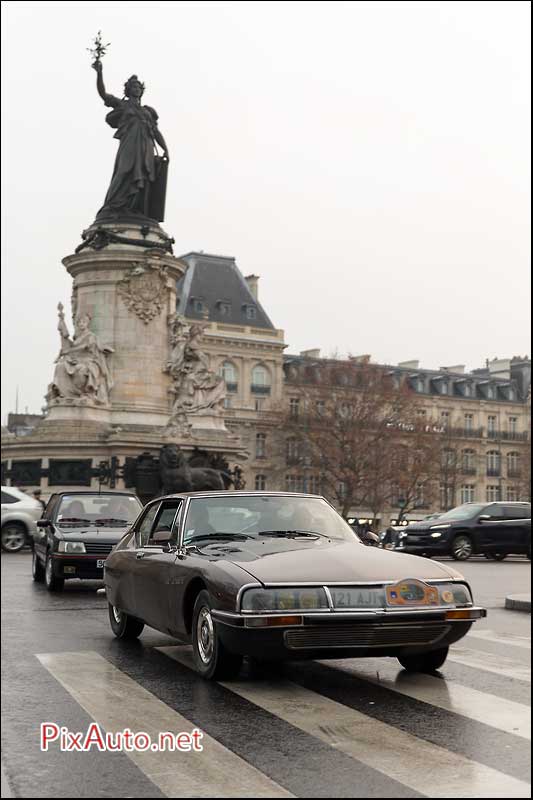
(288, 579)
(492, 529)
(77, 532)
(19, 515)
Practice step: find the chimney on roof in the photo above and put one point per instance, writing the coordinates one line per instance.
(458, 369)
(500, 368)
(409, 364)
(311, 353)
(253, 281)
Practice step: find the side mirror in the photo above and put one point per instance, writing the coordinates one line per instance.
(44, 523)
(484, 517)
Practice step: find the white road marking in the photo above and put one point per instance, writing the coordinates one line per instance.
(490, 662)
(389, 750)
(504, 715)
(501, 638)
(115, 701)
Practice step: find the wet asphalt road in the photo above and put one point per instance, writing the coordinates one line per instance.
(351, 728)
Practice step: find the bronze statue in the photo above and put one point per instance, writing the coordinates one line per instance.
(138, 184)
(177, 476)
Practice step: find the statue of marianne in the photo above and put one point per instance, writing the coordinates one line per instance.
(135, 165)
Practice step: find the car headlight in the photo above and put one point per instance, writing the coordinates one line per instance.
(71, 547)
(403, 535)
(436, 534)
(440, 527)
(454, 594)
(263, 600)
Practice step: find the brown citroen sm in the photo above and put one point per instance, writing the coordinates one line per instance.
(279, 576)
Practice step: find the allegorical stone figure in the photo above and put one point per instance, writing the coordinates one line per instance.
(196, 387)
(134, 184)
(81, 371)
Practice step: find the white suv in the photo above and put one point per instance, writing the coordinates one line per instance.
(19, 515)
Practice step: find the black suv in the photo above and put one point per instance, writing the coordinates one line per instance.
(491, 529)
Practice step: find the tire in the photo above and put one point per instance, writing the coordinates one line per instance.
(37, 569)
(52, 583)
(13, 537)
(462, 547)
(424, 662)
(124, 626)
(211, 658)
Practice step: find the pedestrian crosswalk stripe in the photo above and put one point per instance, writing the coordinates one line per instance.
(506, 639)
(115, 701)
(504, 715)
(387, 749)
(490, 662)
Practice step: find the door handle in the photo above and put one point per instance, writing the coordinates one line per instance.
(139, 555)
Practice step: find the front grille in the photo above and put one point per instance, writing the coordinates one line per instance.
(390, 634)
(101, 548)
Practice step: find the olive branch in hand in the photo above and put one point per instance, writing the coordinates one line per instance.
(99, 49)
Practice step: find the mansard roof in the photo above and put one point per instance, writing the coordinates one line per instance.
(214, 288)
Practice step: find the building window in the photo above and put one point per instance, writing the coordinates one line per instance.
(446, 498)
(313, 485)
(227, 402)
(260, 380)
(294, 406)
(512, 494)
(259, 403)
(512, 427)
(293, 450)
(422, 414)
(469, 423)
(198, 305)
(420, 499)
(469, 462)
(444, 418)
(493, 463)
(224, 308)
(492, 426)
(260, 482)
(513, 465)
(250, 312)
(293, 483)
(493, 494)
(260, 445)
(229, 373)
(448, 459)
(468, 492)
(320, 407)
(342, 490)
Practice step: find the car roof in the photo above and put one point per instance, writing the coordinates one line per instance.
(240, 493)
(95, 493)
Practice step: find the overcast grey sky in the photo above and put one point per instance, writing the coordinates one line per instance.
(369, 160)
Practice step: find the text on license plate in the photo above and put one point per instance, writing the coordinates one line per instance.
(100, 563)
(353, 597)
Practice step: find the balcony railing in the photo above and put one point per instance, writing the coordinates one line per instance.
(515, 436)
(494, 472)
(466, 433)
(232, 387)
(469, 470)
(514, 472)
(257, 388)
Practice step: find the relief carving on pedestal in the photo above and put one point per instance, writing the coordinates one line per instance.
(81, 374)
(195, 387)
(143, 289)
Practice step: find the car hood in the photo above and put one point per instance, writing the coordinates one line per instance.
(103, 534)
(301, 561)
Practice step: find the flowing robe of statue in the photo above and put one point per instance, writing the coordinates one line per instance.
(81, 368)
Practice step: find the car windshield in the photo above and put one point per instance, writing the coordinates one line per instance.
(465, 511)
(261, 516)
(98, 510)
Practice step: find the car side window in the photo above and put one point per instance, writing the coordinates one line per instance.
(166, 523)
(9, 498)
(142, 533)
(51, 507)
(517, 512)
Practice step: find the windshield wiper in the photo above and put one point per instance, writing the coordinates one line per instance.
(73, 521)
(292, 534)
(218, 537)
(111, 521)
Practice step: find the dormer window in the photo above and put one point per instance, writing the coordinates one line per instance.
(198, 305)
(224, 308)
(250, 311)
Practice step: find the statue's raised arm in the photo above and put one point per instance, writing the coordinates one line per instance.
(109, 99)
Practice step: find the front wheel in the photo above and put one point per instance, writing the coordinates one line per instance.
(37, 569)
(462, 547)
(13, 537)
(424, 662)
(53, 584)
(211, 658)
(124, 626)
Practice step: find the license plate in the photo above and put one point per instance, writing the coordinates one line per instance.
(412, 592)
(353, 597)
(100, 563)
